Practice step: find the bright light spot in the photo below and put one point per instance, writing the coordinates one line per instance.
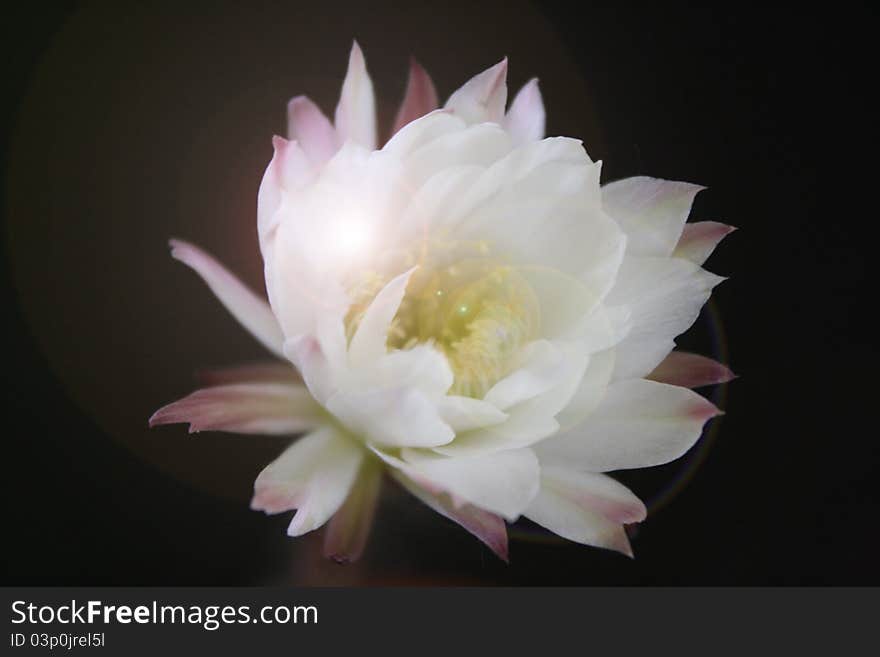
(350, 240)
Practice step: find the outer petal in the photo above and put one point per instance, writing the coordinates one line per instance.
(690, 371)
(269, 408)
(314, 476)
(586, 507)
(502, 483)
(420, 97)
(356, 112)
(307, 125)
(488, 527)
(699, 239)
(650, 211)
(349, 528)
(289, 168)
(664, 296)
(251, 311)
(639, 424)
(483, 97)
(525, 118)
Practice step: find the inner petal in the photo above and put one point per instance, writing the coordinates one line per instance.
(476, 309)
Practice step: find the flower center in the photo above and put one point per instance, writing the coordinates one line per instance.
(477, 310)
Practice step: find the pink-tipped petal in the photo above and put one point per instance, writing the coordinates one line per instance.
(698, 240)
(419, 99)
(313, 131)
(314, 476)
(651, 211)
(355, 116)
(267, 372)
(639, 424)
(487, 527)
(690, 371)
(483, 97)
(288, 169)
(251, 311)
(586, 507)
(264, 408)
(350, 526)
(526, 117)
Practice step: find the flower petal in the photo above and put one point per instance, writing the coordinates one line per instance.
(307, 125)
(639, 424)
(368, 342)
(251, 311)
(420, 97)
(543, 365)
(350, 526)
(466, 413)
(314, 475)
(525, 118)
(483, 97)
(267, 408)
(288, 169)
(664, 297)
(650, 211)
(586, 507)
(488, 527)
(690, 371)
(355, 117)
(502, 483)
(267, 372)
(396, 417)
(699, 239)
(522, 428)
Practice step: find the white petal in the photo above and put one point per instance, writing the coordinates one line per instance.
(525, 118)
(590, 390)
(478, 145)
(395, 417)
(699, 239)
(502, 483)
(320, 357)
(466, 413)
(638, 424)
(421, 132)
(251, 311)
(487, 527)
(664, 297)
(314, 476)
(307, 125)
(650, 211)
(522, 428)
(483, 97)
(542, 367)
(356, 112)
(264, 408)
(368, 343)
(586, 507)
(529, 161)
(288, 170)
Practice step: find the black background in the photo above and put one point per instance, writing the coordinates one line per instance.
(769, 107)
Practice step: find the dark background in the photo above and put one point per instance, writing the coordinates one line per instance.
(103, 160)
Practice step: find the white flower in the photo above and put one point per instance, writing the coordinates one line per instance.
(469, 311)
